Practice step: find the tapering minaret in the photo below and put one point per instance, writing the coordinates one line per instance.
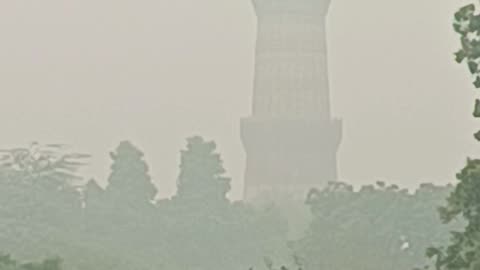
(291, 140)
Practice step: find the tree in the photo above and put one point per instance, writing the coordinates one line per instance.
(201, 176)
(129, 181)
(467, 25)
(377, 227)
(203, 229)
(464, 202)
(7, 263)
(44, 176)
(463, 252)
(40, 204)
(120, 220)
(48, 163)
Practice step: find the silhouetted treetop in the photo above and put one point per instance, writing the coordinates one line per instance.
(202, 172)
(464, 202)
(50, 161)
(7, 263)
(129, 179)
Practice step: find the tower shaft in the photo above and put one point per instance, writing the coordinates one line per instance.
(290, 140)
(291, 61)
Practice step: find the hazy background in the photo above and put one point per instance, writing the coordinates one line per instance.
(93, 72)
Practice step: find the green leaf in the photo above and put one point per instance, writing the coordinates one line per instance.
(460, 56)
(457, 28)
(477, 136)
(477, 82)
(476, 111)
(432, 252)
(465, 12)
(474, 52)
(474, 23)
(473, 67)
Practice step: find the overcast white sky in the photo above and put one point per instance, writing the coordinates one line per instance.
(93, 72)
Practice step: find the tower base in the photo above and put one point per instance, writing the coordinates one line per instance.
(288, 157)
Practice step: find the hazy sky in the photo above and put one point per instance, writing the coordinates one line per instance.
(93, 72)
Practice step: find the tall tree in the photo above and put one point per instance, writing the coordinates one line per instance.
(122, 217)
(202, 175)
(40, 205)
(467, 25)
(7, 263)
(463, 251)
(377, 227)
(201, 199)
(40, 181)
(129, 180)
(48, 163)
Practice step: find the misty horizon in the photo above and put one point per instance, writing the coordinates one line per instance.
(127, 71)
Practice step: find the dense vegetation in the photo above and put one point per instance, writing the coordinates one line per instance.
(8, 263)
(376, 227)
(46, 211)
(463, 249)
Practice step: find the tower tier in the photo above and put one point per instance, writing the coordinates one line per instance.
(302, 7)
(291, 76)
(289, 156)
(291, 140)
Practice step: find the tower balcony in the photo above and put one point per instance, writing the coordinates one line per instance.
(291, 7)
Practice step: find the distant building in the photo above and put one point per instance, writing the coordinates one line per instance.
(290, 139)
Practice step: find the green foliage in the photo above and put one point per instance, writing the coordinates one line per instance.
(377, 227)
(463, 253)
(476, 112)
(39, 201)
(200, 215)
(38, 162)
(467, 25)
(7, 263)
(129, 180)
(201, 176)
(121, 227)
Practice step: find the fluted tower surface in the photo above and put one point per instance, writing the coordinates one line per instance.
(291, 140)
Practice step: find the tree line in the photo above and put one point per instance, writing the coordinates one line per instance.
(45, 211)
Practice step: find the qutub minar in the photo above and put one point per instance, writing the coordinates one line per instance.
(290, 139)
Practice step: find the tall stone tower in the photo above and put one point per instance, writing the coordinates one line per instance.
(291, 140)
